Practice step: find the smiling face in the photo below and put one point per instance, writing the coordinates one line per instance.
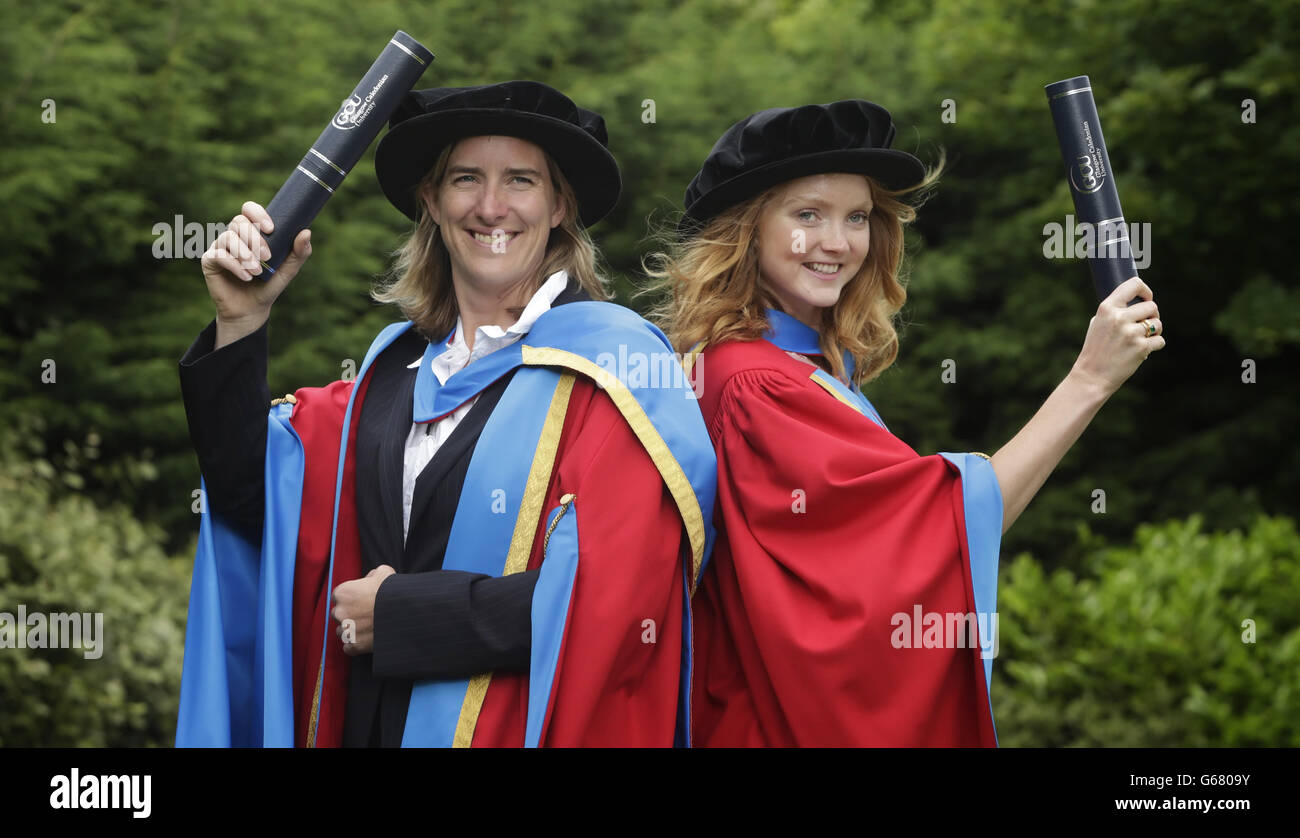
(495, 207)
(813, 237)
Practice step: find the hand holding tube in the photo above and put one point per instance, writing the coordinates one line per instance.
(1120, 337)
(232, 262)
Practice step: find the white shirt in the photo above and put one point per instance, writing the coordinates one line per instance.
(426, 438)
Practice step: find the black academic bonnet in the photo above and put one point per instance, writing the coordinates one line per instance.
(780, 144)
(427, 121)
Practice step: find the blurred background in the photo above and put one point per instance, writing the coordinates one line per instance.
(1149, 596)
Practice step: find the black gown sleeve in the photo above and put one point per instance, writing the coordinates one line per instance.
(226, 403)
(452, 624)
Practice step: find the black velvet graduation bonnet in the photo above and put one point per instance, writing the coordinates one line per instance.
(780, 144)
(427, 121)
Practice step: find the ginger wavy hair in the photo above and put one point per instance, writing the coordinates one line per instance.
(711, 281)
(419, 281)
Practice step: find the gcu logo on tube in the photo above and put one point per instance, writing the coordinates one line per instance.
(354, 110)
(343, 119)
(1082, 177)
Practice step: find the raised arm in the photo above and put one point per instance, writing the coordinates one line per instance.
(1116, 344)
(223, 375)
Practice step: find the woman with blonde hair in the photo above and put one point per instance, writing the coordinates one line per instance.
(483, 538)
(851, 597)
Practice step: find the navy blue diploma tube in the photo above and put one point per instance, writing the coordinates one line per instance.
(341, 144)
(1092, 182)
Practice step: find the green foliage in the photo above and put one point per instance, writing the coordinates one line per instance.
(60, 553)
(1150, 648)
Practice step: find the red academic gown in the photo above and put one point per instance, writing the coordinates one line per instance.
(828, 527)
(618, 676)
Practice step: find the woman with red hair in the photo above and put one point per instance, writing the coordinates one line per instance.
(852, 594)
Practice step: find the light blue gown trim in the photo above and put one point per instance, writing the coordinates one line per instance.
(551, 600)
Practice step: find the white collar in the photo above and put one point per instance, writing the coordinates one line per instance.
(540, 303)
(492, 337)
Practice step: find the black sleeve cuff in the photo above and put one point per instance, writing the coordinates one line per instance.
(452, 624)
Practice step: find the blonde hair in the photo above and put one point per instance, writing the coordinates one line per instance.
(419, 280)
(715, 296)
